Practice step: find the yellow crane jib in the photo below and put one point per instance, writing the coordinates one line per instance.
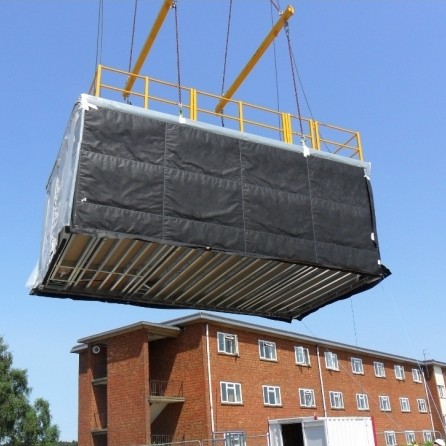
(283, 19)
(168, 4)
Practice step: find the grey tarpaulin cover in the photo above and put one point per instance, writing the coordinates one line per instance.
(184, 190)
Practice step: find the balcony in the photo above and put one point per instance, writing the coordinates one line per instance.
(99, 375)
(162, 393)
(100, 423)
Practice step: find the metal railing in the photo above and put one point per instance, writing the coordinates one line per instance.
(248, 440)
(166, 388)
(162, 96)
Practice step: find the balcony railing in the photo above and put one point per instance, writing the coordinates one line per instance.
(197, 105)
(172, 389)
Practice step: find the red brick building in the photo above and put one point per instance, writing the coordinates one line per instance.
(205, 377)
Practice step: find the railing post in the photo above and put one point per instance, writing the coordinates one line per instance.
(315, 139)
(193, 104)
(358, 139)
(97, 89)
(240, 116)
(286, 128)
(146, 92)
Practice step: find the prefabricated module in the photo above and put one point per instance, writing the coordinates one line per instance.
(156, 208)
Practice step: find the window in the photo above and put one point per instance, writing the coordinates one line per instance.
(362, 401)
(357, 366)
(231, 393)
(336, 400)
(271, 396)
(404, 404)
(384, 403)
(227, 343)
(267, 350)
(235, 439)
(427, 436)
(399, 372)
(380, 372)
(422, 406)
(302, 356)
(331, 361)
(441, 391)
(390, 438)
(307, 398)
(416, 375)
(410, 437)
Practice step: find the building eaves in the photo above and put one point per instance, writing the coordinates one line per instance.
(227, 322)
(159, 330)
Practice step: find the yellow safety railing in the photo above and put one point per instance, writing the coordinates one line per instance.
(197, 105)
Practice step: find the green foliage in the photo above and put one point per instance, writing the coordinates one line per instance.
(22, 423)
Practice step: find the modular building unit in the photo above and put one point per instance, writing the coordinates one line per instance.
(326, 431)
(148, 209)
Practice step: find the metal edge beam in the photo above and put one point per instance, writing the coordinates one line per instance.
(148, 45)
(283, 19)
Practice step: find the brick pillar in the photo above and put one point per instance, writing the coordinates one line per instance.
(85, 404)
(128, 421)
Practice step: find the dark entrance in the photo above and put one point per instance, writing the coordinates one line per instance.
(292, 434)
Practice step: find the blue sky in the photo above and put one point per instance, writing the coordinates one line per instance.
(374, 66)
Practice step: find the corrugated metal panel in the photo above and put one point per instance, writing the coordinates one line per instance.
(154, 275)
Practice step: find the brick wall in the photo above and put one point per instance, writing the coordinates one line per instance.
(127, 385)
(85, 400)
(253, 372)
(182, 360)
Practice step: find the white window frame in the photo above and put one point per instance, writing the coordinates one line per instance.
(331, 361)
(267, 350)
(384, 403)
(410, 437)
(441, 391)
(336, 400)
(362, 401)
(390, 438)
(271, 396)
(357, 366)
(380, 371)
(307, 398)
(302, 356)
(416, 376)
(404, 404)
(399, 372)
(227, 343)
(235, 438)
(427, 436)
(229, 390)
(422, 405)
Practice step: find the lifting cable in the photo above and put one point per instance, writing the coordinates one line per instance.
(133, 35)
(293, 74)
(99, 33)
(177, 40)
(274, 4)
(226, 58)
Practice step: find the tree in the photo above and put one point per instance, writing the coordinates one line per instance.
(22, 423)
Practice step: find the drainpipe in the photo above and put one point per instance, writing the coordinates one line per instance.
(321, 381)
(211, 402)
